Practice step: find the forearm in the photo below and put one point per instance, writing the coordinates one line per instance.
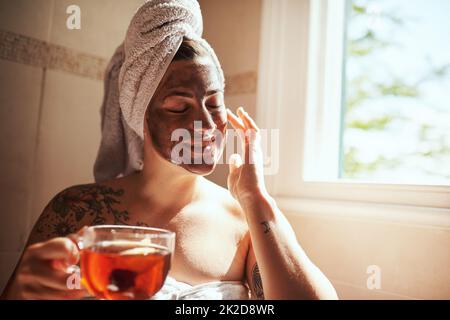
(286, 271)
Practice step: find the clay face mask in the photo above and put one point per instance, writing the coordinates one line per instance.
(189, 100)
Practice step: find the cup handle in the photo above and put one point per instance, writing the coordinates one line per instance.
(77, 238)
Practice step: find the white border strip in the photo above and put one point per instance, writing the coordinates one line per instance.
(405, 215)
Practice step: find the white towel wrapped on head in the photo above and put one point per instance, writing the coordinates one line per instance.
(132, 76)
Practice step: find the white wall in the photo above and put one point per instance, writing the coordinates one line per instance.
(413, 259)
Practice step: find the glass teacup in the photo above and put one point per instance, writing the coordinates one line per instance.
(124, 262)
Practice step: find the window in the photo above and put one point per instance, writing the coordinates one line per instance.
(336, 160)
(396, 92)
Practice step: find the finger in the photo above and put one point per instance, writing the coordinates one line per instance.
(240, 112)
(41, 292)
(75, 237)
(82, 230)
(56, 249)
(246, 119)
(234, 120)
(46, 275)
(238, 125)
(76, 294)
(235, 161)
(251, 122)
(247, 149)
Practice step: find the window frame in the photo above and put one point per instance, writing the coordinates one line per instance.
(299, 43)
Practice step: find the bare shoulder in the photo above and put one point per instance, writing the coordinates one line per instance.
(77, 206)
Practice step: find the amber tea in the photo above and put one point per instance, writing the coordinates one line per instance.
(125, 263)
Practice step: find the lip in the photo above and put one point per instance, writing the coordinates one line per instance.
(208, 150)
(203, 144)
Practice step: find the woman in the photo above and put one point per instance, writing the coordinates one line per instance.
(223, 235)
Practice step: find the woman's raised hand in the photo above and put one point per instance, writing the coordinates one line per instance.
(246, 178)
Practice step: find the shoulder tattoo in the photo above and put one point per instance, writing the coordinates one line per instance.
(74, 207)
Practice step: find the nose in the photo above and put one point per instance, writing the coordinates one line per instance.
(204, 124)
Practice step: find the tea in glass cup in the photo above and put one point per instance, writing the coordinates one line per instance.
(125, 262)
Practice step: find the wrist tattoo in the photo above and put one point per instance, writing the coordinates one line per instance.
(266, 226)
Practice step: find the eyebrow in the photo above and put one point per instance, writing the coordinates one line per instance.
(185, 93)
(211, 92)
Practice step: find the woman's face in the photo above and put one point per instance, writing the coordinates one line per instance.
(189, 103)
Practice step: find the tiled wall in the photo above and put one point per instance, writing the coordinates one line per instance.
(50, 96)
(51, 91)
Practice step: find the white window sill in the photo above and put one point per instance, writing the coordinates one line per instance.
(392, 213)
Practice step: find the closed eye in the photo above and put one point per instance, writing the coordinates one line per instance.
(215, 106)
(178, 111)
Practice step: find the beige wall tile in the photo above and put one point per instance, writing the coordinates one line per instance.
(69, 135)
(103, 25)
(413, 260)
(19, 108)
(232, 28)
(28, 17)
